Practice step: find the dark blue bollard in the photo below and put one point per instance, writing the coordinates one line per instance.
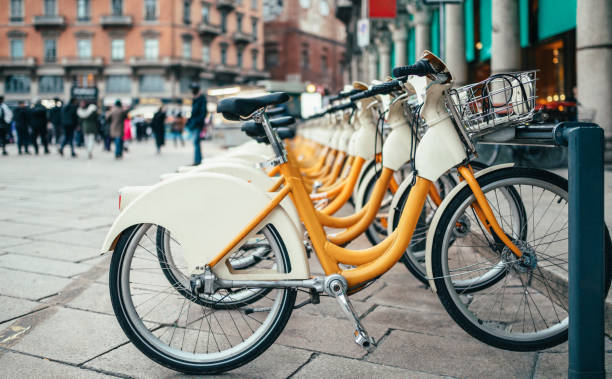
(586, 247)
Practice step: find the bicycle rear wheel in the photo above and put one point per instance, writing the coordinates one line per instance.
(528, 309)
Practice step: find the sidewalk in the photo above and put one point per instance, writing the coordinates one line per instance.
(56, 319)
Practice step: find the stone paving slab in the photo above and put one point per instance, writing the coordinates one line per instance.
(95, 298)
(55, 250)
(90, 238)
(15, 365)
(276, 362)
(73, 336)
(6, 242)
(328, 366)
(11, 307)
(27, 285)
(452, 355)
(15, 229)
(42, 265)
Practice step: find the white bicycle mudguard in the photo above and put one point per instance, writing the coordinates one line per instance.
(204, 213)
(248, 173)
(249, 158)
(440, 210)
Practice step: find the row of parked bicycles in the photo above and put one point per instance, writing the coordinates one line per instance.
(207, 264)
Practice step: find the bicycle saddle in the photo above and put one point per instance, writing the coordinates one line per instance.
(253, 129)
(237, 108)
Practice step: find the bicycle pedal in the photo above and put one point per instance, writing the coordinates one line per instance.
(364, 340)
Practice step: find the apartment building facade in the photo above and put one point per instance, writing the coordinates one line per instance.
(132, 50)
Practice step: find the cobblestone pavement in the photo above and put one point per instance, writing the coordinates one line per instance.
(56, 319)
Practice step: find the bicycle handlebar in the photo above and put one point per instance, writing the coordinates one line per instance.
(421, 68)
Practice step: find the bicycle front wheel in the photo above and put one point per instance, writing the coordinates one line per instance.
(527, 309)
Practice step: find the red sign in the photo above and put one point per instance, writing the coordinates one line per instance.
(382, 8)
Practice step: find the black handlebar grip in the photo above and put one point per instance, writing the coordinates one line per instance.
(334, 98)
(385, 88)
(362, 95)
(342, 107)
(421, 68)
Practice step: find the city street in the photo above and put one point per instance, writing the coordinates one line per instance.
(56, 319)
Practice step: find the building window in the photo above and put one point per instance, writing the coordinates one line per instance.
(51, 84)
(254, 54)
(239, 58)
(17, 48)
(239, 22)
(83, 10)
(324, 63)
(118, 49)
(50, 51)
(205, 13)
(84, 48)
(150, 10)
(305, 61)
(206, 54)
(151, 83)
(187, 48)
(16, 10)
(223, 53)
(151, 49)
(50, 8)
(223, 22)
(253, 4)
(117, 7)
(17, 84)
(187, 11)
(85, 80)
(254, 26)
(271, 56)
(118, 84)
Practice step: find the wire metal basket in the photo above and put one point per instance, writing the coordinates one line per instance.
(500, 101)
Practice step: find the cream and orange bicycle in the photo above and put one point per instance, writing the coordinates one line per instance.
(478, 238)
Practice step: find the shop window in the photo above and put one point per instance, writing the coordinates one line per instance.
(51, 84)
(85, 80)
(17, 84)
(118, 84)
(151, 83)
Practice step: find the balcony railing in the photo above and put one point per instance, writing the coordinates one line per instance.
(226, 5)
(49, 21)
(207, 30)
(150, 62)
(112, 20)
(24, 62)
(241, 38)
(226, 69)
(83, 62)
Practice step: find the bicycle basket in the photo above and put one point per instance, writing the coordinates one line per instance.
(500, 101)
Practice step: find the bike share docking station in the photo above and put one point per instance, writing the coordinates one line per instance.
(585, 142)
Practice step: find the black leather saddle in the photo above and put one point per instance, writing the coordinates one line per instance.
(235, 108)
(253, 129)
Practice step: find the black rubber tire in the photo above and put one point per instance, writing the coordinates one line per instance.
(287, 303)
(442, 290)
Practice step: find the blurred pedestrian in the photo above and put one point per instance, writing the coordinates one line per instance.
(20, 117)
(70, 120)
(127, 132)
(178, 124)
(116, 119)
(55, 118)
(6, 117)
(196, 121)
(37, 119)
(158, 124)
(89, 124)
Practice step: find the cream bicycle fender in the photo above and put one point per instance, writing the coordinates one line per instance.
(407, 182)
(249, 158)
(251, 175)
(440, 210)
(204, 213)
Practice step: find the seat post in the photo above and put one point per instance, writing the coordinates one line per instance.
(279, 150)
